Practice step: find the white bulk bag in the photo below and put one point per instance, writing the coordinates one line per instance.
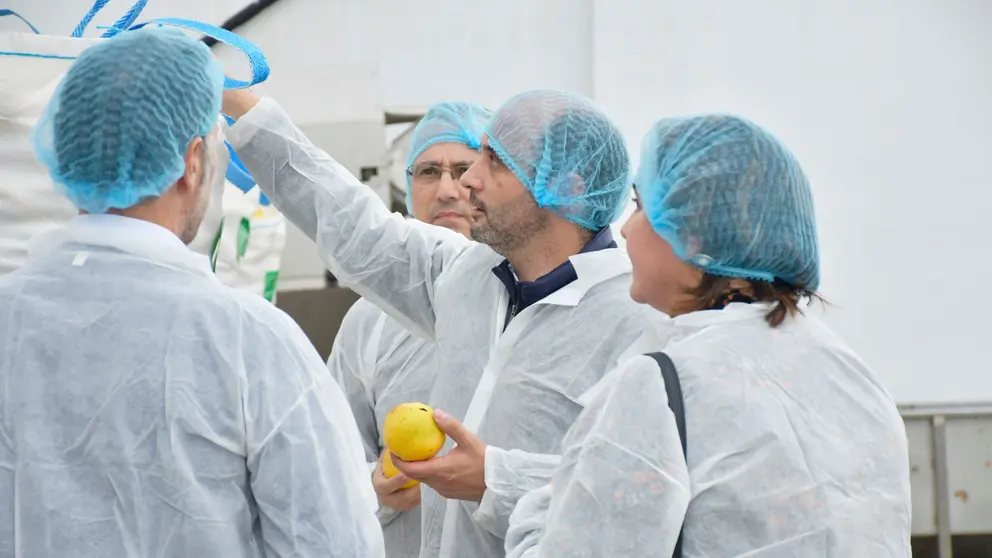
(31, 67)
(246, 247)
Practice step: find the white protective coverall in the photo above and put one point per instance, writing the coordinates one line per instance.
(380, 365)
(518, 390)
(148, 410)
(794, 449)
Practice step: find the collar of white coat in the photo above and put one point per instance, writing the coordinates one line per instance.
(591, 269)
(134, 236)
(663, 330)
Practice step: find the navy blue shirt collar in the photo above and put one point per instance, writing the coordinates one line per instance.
(525, 293)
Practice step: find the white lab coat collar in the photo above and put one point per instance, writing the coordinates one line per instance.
(134, 236)
(661, 331)
(591, 269)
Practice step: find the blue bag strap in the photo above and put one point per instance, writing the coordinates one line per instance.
(5, 12)
(81, 27)
(238, 174)
(126, 20)
(123, 23)
(259, 66)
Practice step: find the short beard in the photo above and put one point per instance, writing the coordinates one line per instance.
(510, 226)
(194, 216)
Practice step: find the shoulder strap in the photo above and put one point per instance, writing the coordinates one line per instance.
(674, 389)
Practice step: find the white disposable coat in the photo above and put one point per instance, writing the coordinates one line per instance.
(794, 449)
(518, 389)
(147, 410)
(380, 365)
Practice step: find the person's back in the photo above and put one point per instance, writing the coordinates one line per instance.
(146, 409)
(796, 448)
(149, 410)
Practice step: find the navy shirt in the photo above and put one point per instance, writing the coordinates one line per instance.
(525, 293)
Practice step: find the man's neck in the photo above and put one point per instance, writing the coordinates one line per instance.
(546, 250)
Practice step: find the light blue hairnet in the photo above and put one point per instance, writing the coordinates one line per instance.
(729, 198)
(566, 152)
(117, 129)
(446, 122)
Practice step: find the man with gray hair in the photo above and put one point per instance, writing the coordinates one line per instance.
(148, 410)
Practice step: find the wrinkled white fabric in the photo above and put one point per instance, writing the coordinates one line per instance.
(380, 365)
(794, 449)
(147, 410)
(440, 285)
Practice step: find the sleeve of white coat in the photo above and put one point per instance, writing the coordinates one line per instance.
(306, 463)
(622, 488)
(352, 364)
(392, 261)
(510, 474)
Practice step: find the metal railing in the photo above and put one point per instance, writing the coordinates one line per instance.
(938, 415)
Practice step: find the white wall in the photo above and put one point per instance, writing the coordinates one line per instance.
(483, 52)
(60, 17)
(886, 104)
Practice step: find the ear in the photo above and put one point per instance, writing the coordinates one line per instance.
(193, 175)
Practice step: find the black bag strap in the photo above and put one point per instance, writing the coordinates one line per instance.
(674, 389)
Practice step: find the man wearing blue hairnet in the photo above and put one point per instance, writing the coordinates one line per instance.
(377, 361)
(524, 321)
(147, 409)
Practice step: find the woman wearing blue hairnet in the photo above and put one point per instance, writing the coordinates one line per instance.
(793, 448)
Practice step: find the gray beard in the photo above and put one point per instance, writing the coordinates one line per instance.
(512, 225)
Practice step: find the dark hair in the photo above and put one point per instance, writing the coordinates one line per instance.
(713, 289)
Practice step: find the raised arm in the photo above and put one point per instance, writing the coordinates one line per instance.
(392, 261)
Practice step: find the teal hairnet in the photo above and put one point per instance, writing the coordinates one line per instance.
(117, 129)
(729, 198)
(567, 153)
(446, 122)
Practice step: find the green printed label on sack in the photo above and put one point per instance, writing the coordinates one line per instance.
(271, 278)
(244, 231)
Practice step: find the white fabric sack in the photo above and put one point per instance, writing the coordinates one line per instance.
(29, 203)
(248, 253)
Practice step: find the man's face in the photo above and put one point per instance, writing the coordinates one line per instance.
(507, 216)
(436, 193)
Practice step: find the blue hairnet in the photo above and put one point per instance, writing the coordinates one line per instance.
(566, 152)
(446, 122)
(729, 198)
(117, 129)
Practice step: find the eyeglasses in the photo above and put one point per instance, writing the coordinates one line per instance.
(428, 173)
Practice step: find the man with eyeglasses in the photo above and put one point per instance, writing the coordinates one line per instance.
(524, 320)
(377, 361)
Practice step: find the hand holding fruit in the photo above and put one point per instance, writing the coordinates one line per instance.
(410, 431)
(394, 489)
(459, 474)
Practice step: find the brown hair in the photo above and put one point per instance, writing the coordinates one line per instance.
(713, 289)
